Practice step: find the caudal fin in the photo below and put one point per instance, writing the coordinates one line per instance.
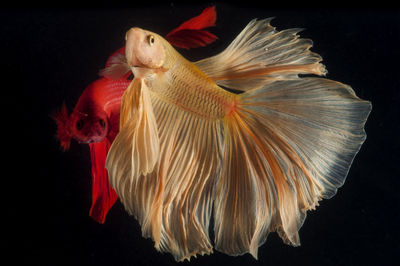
(289, 144)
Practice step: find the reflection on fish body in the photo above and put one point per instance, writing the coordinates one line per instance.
(257, 161)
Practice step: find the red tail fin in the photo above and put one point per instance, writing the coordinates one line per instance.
(63, 133)
(103, 196)
(191, 34)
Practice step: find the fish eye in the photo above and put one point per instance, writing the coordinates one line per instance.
(102, 123)
(79, 124)
(150, 40)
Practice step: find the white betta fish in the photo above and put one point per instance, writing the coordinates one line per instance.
(189, 150)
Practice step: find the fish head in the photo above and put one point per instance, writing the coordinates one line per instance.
(144, 51)
(89, 126)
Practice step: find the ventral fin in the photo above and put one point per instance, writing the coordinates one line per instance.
(135, 150)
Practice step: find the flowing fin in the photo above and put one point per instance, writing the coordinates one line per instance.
(138, 134)
(173, 204)
(189, 166)
(103, 196)
(111, 60)
(116, 67)
(191, 34)
(289, 144)
(63, 133)
(260, 54)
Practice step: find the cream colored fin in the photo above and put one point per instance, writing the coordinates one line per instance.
(190, 163)
(260, 54)
(135, 150)
(117, 69)
(244, 198)
(173, 204)
(288, 145)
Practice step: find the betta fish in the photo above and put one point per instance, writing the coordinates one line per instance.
(95, 119)
(189, 151)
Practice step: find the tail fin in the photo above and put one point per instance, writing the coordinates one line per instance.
(260, 54)
(289, 144)
(103, 196)
(63, 133)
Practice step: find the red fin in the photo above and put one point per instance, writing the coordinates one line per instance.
(103, 196)
(191, 38)
(190, 34)
(63, 134)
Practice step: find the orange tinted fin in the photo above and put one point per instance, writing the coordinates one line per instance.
(289, 144)
(260, 54)
(173, 203)
(138, 135)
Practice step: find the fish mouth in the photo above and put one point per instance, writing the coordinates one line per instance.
(134, 62)
(139, 70)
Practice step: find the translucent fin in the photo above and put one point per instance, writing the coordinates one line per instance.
(116, 67)
(173, 204)
(259, 54)
(103, 196)
(289, 144)
(190, 163)
(135, 150)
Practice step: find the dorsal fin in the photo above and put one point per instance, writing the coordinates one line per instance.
(260, 53)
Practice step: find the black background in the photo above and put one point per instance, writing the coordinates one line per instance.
(49, 55)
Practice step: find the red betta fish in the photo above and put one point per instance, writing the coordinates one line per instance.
(95, 118)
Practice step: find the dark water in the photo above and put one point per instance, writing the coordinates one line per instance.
(51, 55)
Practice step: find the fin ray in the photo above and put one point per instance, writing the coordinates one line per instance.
(260, 54)
(138, 132)
(294, 141)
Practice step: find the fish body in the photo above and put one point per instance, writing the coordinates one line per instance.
(256, 161)
(95, 118)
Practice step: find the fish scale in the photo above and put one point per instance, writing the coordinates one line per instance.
(189, 88)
